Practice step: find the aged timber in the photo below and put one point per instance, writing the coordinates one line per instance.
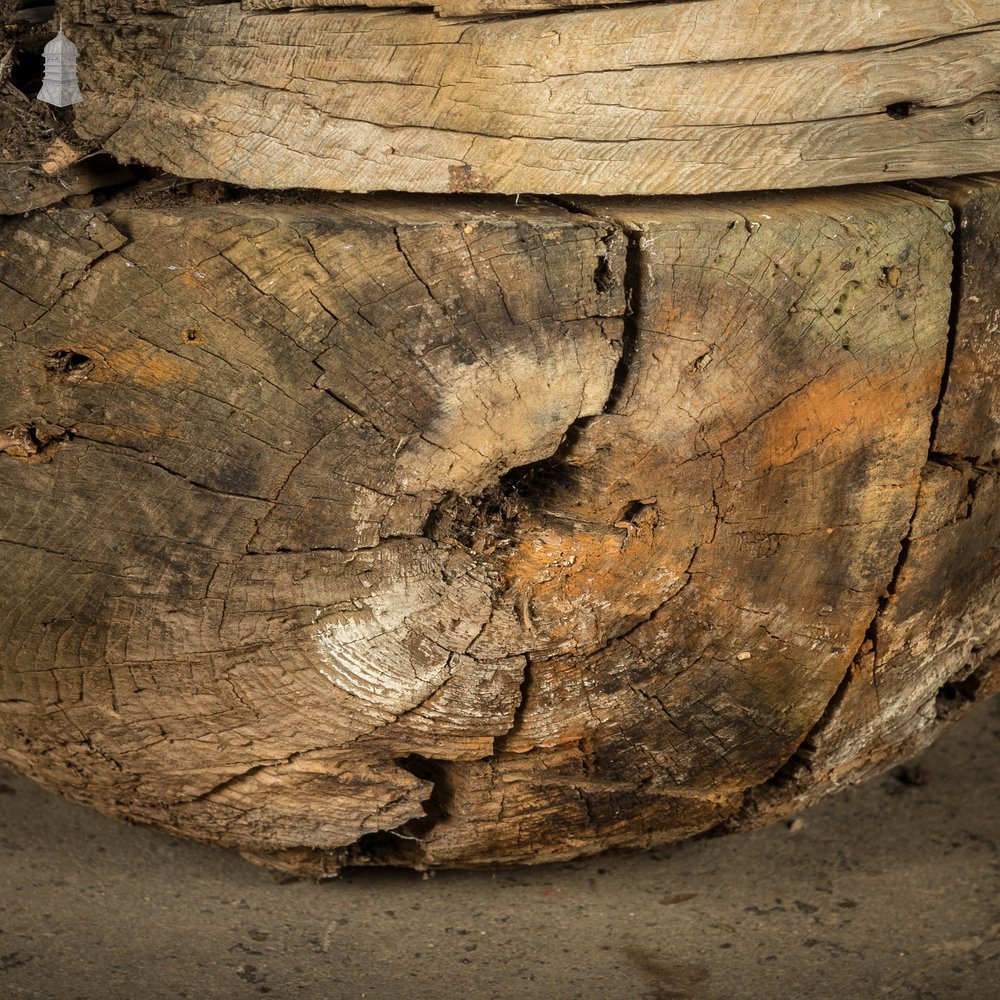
(446, 532)
(706, 95)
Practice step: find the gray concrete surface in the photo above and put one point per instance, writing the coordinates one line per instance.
(888, 890)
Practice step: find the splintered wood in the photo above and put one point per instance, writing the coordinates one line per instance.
(473, 96)
(383, 530)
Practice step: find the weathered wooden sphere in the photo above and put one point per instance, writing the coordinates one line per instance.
(355, 529)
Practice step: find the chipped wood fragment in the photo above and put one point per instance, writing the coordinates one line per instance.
(26, 186)
(59, 156)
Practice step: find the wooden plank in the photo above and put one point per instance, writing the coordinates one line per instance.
(711, 95)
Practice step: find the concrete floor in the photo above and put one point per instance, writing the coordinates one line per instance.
(889, 890)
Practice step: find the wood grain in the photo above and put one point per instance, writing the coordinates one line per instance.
(186, 641)
(392, 530)
(711, 95)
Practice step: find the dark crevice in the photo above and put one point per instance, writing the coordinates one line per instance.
(347, 8)
(438, 806)
(27, 67)
(960, 463)
(630, 324)
(957, 290)
(482, 524)
(333, 549)
(885, 598)
(442, 11)
(522, 702)
(899, 110)
(961, 690)
(787, 776)
(410, 266)
(871, 634)
(603, 277)
(237, 493)
(551, 482)
(45, 6)
(489, 521)
(801, 758)
(69, 365)
(971, 470)
(229, 782)
(604, 280)
(402, 845)
(634, 512)
(964, 463)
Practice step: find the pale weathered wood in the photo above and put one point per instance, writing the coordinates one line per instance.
(382, 530)
(711, 95)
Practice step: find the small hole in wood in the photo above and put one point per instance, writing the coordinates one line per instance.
(68, 364)
(901, 109)
(602, 275)
(960, 691)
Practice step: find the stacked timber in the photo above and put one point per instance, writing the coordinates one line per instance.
(439, 527)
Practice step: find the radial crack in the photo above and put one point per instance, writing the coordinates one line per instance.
(623, 377)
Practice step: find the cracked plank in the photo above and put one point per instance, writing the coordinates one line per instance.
(712, 95)
(932, 647)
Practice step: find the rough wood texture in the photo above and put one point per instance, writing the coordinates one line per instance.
(710, 95)
(931, 648)
(446, 8)
(384, 530)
